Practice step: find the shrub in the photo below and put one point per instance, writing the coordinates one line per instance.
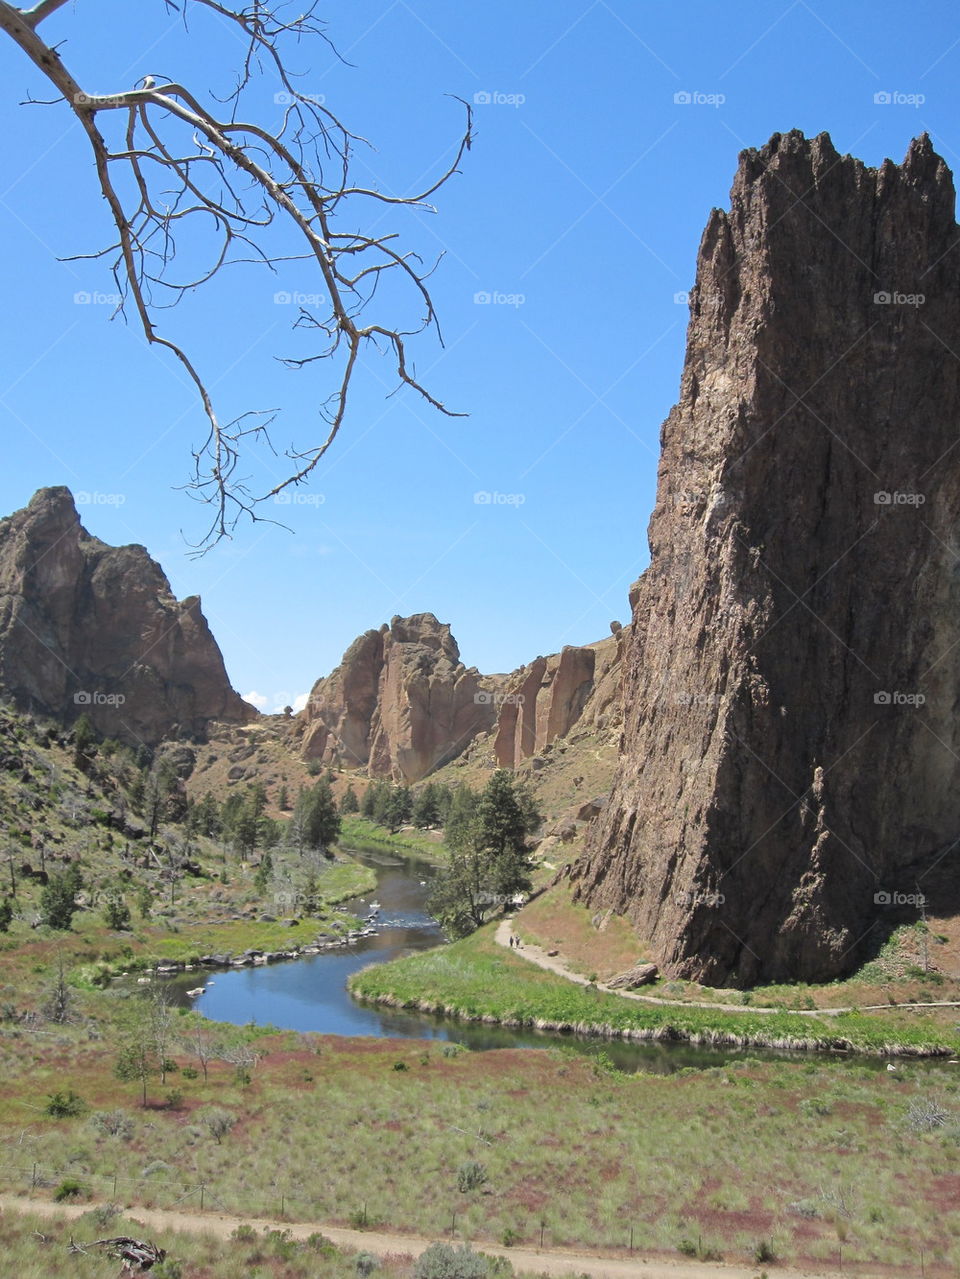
(168, 1269)
(113, 1123)
(764, 1251)
(217, 1122)
(65, 1105)
(365, 1264)
(452, 1049)
(926, 1114)
(510, 1237)
(244, 1234)
(400, 1065)
(69, 1188)
(470, 1176)
(443, 1261)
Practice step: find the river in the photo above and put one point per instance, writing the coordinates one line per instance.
(310, 994)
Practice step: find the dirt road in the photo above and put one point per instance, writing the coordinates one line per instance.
(550, 1261)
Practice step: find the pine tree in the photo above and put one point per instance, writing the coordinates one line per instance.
(318, 810)
(349, 803)
(489, 861)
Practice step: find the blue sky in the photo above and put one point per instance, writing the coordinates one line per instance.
(578, 211)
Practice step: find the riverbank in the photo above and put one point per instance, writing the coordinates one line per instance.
(476, 980)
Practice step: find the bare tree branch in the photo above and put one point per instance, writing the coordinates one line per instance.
(175, 166)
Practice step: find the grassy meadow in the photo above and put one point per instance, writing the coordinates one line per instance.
(791, 1159)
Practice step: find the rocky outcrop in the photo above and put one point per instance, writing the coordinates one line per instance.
(639, 975)
(401, 702)
(86, 627)
(791, 746)
(544, 700)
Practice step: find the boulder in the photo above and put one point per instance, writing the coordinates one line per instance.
(639, 975)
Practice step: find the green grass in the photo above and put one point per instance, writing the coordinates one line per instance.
(363, 835)
(475, 978)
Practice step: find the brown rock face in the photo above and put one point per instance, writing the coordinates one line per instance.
(89, 627)
(791, 746)
(401, 702)
(544, 700)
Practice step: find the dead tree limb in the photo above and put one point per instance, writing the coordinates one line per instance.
(175, 168)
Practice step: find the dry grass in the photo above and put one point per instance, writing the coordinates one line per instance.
(553, 921)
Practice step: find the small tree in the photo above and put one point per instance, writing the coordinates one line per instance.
(319, 812)
(204, 1046)
(136, 1062)
(116, 912)
(349, 803)
(6, 914)
(58, 903)
(218, 1122)
(59, 1003)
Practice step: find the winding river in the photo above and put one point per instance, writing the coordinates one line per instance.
(310, 994)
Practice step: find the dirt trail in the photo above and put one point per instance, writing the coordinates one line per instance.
(550, 1261)
(554, 964)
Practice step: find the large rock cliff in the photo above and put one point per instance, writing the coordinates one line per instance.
(400, 703)
(791, 746)
(545, 699)
(86, 627)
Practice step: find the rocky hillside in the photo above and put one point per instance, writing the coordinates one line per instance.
(791, 747)
(86, 627)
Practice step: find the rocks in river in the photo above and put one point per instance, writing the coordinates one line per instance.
(638, 975)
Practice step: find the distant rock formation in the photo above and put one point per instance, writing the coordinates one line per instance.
(791, 752)
(400, 703)
(544, 700)
(86, 627)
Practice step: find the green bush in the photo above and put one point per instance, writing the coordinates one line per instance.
(470, 1176)
(65, 1105)
(69, 1188)
(443, 1261)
